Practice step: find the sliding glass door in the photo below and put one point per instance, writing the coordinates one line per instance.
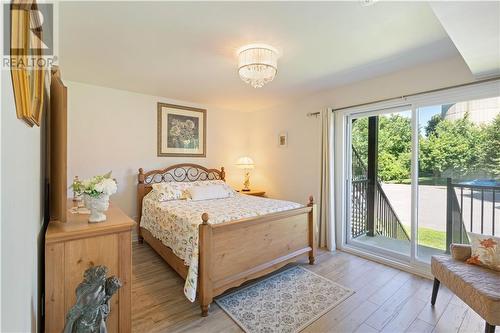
(420, 176)
(459, 173)
(380, 186)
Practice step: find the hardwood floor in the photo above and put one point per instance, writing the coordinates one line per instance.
(386, 300)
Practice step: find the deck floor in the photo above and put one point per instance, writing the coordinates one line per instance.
(399, 246)
(386, 300)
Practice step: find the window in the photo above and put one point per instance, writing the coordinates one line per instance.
(419, 173)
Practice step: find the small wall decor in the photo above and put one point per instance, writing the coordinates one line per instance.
(182, 131)
(27, 76)
(93, 305)
(283, 139)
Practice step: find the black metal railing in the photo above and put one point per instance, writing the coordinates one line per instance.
(470, 208)
(359, 211)
(387, 222)
(359, 170)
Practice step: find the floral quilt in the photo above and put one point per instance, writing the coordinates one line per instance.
(176, 222)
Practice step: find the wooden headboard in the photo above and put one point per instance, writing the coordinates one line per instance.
(186, 172)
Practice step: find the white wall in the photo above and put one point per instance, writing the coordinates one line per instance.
(114, 129)
(294, 172)
(110, 129)
(290, 172)
(21, 215)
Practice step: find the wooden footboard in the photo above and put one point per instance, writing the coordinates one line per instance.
(234, 252)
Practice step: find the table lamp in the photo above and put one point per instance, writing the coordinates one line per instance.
(246, 163)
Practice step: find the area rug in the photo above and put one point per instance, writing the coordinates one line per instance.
(286, 302)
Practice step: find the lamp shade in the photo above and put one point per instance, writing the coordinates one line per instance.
(245, 162)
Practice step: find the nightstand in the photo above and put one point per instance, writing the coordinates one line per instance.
(256, 193)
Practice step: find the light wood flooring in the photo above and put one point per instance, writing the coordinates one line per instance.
(386, 300)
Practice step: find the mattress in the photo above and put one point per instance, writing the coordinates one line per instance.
(175, 223)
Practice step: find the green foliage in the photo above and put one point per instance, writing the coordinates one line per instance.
(360, 138)
(392, 168)
(460, 148)
(451, 148)
(432, 124)
(394, 145)
(491, 147)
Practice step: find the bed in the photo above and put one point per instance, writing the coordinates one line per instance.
(219, 244)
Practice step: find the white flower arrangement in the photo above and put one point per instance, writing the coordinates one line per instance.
(96, 186)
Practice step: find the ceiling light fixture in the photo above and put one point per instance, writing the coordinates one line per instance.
(257, 64)
(366, 3)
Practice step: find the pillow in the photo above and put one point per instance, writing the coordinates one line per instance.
(179, 190)
(207, 192)
(170, 191)
(485, 251)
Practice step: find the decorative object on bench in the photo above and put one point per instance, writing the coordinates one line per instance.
(477, 286)
(182, 131)
(96, 192)
(485, 251)
(285, 302)
(92, 306)
(246, 163)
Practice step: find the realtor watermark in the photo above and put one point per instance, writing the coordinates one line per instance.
(28, 35)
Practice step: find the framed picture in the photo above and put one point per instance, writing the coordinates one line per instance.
(283, 139)
(28, 76)
(182, 131)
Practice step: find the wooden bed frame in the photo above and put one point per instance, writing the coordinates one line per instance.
(233, 252)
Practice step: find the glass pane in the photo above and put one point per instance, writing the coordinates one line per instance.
(381, 184)
(459, 173)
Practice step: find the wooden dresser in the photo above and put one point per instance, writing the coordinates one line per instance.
(74, 246)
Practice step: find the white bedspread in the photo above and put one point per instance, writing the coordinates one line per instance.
(176, 222)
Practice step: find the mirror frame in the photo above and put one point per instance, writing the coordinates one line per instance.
(27, 81)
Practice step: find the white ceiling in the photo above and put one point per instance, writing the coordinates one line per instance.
(186, 50)
(474, 27)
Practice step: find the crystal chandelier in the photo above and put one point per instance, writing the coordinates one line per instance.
(257, 64)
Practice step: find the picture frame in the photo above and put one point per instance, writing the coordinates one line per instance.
(283, 139)
(28, 82)
(182, 131)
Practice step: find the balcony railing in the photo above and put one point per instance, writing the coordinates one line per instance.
(387, 222)
(467, 210)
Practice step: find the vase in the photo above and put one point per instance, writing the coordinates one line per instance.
(97, 206)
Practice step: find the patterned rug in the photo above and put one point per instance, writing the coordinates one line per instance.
(286, 302)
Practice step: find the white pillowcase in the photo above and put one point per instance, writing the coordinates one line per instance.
(198, 193)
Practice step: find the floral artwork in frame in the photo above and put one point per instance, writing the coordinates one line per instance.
(181, 131)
